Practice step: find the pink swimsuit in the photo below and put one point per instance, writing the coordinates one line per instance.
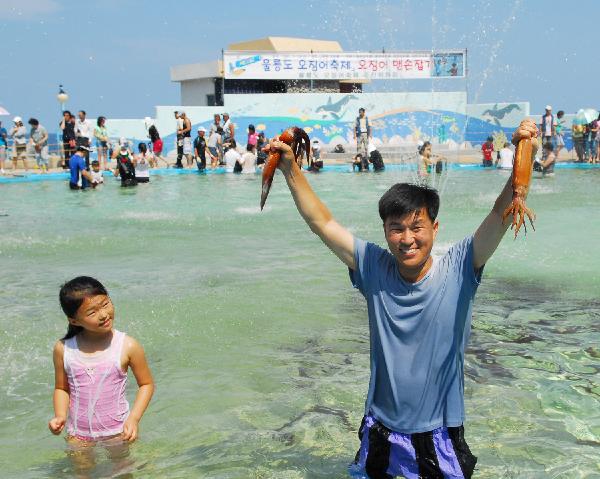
(98, 406)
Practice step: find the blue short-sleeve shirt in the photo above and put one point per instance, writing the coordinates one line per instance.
(76, 166)
(418, 334)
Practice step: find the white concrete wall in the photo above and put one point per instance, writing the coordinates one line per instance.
(193, 92)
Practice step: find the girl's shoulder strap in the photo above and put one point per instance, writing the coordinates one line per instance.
(70, 348)
(117, 345)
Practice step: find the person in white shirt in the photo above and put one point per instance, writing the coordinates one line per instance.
(97, 177)
(249, 160)
(84, 131)
(506, 158)
(214, 145)
(141, 162)
(232, 157)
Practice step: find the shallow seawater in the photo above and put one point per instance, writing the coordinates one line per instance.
(259, 344)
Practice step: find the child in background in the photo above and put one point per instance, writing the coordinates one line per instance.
(252, 136)
(141, 163)
(487, 149)
(157, 146)
(90, 371)
(96, 174)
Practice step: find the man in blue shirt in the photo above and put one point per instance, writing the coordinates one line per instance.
(419, 311)
(78, 170)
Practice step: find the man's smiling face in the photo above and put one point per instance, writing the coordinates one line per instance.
(410, 239)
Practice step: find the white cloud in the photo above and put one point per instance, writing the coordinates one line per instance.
(26, 9)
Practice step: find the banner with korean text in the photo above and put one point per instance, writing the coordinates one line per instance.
(344, 66)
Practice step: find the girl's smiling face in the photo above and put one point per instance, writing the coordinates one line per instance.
(96, 314)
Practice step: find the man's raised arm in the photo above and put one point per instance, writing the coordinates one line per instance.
(313, 210)
(490, 232)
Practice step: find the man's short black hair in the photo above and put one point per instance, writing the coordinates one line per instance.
(548, 146)
(95, 163)
(404, 198)
(82, 111)
(361, 109)
(33, 122)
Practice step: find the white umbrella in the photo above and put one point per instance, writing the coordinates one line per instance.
(3, 112)
(587, 114)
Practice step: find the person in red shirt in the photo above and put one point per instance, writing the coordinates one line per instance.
(487, 149)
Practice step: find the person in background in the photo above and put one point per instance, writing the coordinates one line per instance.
(232, 158)
(67, 126)
(125, 168)
(261, 155)
(375, 158)
(97, 177)
(428, 162)
(577, 132)
(179, 137)
(157, 146)
(593, 141)
(38, 138)
(547, 126)
(228, 130)
(559, 130)
(214, 128)
(360, 163)
(252, 136)
(84, 131)
(506, 158)
(487, 149)
(141, 163)
(362, 133)
(80, 177)
(214, 145)
(186, 133)
(315, 162)
(248, 160)
(200, 149)
(548, 160)
(101, 136)
(19, 135)
(3, 147)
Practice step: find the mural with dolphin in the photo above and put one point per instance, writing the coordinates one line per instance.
(400, 118)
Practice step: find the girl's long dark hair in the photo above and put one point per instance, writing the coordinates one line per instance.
(153, 132)
(72, 294)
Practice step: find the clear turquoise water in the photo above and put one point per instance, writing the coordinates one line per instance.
(259, 344)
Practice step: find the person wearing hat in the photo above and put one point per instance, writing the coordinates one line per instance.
(548, 126)
(200, 149)
(18, 134)
(80, 178)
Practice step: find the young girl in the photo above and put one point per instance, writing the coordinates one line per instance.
(157, 146)
(90, 371)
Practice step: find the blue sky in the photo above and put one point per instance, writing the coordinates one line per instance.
(113, 56)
